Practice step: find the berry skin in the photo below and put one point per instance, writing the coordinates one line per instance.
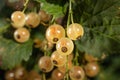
(65, 46)
(75, 31)
(21, 35)
(46, 45)
(20, 73)
(32, 20)
(37, 42)
(45, 64)
(57, 59)
(18, 19)
(54, 33)
(90, 58)
(33, 75)
(92, 69)
(63, 68)
(76, 73)
(44, 16)
(57, 75)
(10, 75)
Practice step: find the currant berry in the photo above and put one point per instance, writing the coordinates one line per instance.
(90, 58)
(70, 57)
(54, 33)
(46, 45)
(92, 69)
(21, 35)
(68, 66)
(75, 29)
(37, 42)
(33, 75)
(18, 19)
(32, 20)
(44, 16)
(57, 59)
(77, 73)
(45, 64)
(57, 75)
(10, 75)
(20, 73)
(64, 46)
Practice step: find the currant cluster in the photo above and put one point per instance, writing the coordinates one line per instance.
(59, 61)
(63, 56)
(22, 22)
(20, 73)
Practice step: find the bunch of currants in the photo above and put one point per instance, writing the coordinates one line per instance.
(63, 40)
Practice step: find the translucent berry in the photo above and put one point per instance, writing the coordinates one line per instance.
(45, 64)
(33, 75)
(32, 20)
(57, 75)
(92, 69)
(90, 58)
(77, 73)
(68, 66)
(44, 16)
(75, 31)
(46, 45)
(20, 73)
(54, 33)
(57, 59)
(64, 46)
(10, 75)
(21, 35)
(37, 42)
(18, 19)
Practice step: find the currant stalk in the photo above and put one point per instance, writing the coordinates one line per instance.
(25, 5)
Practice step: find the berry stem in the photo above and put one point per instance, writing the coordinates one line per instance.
(70, 15)
(53, 20)
(67, 76)
(25, 5)
(76, 57)
(70, 11)
(44, 77)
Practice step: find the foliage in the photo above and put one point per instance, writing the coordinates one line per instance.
(100, 20)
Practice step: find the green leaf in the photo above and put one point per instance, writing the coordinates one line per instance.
(53, 9)
(102, 26)
(12, 53)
